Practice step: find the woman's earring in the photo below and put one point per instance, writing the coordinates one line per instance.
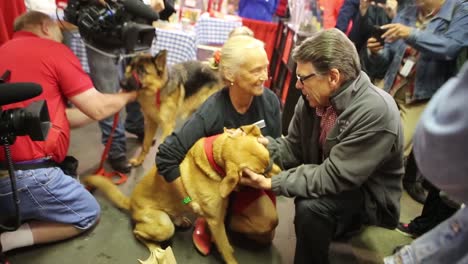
(232, 83)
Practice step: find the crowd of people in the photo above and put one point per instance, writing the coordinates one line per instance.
(372, 121)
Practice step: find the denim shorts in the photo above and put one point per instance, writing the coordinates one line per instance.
(47, 194)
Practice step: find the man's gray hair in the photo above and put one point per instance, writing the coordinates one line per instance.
(329, 49)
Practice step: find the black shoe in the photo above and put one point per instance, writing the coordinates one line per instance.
(120, 164)
(416, 191)
(415, 228)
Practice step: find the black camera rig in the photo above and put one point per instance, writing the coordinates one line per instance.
(119, 24)
(32, 121)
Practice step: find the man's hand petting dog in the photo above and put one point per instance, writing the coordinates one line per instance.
(255, 180)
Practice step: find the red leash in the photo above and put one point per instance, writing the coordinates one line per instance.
(121, 177)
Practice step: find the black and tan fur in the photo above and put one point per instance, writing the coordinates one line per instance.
(166, 94)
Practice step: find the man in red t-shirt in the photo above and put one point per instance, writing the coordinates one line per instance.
(54, 205)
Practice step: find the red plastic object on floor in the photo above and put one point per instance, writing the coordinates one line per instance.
(202, 237)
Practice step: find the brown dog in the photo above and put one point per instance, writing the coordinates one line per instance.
(153, 203)
(167, 94)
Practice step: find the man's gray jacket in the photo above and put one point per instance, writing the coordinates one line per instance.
(363, 150)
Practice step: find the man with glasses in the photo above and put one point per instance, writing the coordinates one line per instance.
(343, 155)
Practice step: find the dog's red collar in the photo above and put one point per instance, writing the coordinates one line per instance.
(209, 154)
(137, 79)
(158, 99)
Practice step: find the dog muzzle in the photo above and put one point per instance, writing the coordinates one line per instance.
(131, 84)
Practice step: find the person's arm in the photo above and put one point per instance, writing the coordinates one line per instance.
(349, 165)
(348, 11)
(174, 148)
(441, 45)
(98, 105)
(76, 118)
(287, 151)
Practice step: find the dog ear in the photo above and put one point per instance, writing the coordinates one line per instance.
(160, 61)
(230, 181)
(252, 130)
(234, 132)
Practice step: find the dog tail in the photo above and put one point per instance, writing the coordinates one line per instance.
(111, 190)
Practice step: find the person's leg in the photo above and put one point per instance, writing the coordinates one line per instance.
(257, 220)
(54, 207)
(410, 115)
(435, 211)
(134, 122)
(413, 180)
(105, 76)
(251, 213)
(318, 221)
(446, 243)
(36, 232)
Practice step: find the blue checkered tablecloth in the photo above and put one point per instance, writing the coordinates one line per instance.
(211, 30)
(75, 43)
(180, 45)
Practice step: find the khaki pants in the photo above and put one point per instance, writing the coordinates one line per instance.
(410, 115)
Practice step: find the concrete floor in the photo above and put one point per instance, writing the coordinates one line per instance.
(112, 240)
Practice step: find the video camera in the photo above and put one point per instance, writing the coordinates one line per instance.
(33, 120)
(118, 24)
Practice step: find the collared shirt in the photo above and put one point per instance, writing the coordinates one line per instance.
(327, 122)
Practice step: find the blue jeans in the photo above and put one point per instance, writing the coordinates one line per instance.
(105, 72)
(47, 194)
(134, 122)
(446, 243)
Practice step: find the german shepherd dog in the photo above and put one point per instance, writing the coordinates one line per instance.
(210, 171)
(167, 94)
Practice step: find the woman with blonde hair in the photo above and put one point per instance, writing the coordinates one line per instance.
(243, 67)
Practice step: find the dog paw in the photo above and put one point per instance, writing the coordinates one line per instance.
(135, 162)
(182, 222)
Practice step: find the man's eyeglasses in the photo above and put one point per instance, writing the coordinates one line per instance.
(303, 79)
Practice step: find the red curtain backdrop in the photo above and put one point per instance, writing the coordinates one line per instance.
(9, 10)
(264, 31)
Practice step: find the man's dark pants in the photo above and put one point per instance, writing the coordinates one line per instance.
(319, 220)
